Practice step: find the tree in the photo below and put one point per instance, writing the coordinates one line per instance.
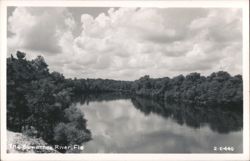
(36, 99)
(20, 55)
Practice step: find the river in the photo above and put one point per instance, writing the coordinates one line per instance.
(137, 125)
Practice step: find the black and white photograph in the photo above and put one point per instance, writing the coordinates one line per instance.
(125, 80)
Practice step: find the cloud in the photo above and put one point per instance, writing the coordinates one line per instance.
(38, 29)
(126, 43)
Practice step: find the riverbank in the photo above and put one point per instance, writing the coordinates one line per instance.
(19, 143)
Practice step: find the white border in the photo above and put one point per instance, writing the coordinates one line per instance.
(244, 4)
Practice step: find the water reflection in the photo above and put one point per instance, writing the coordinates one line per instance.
(127, 124)
(219, 119)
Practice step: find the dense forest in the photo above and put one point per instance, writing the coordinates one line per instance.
(39, 100)
(217, 88)
(39, 103)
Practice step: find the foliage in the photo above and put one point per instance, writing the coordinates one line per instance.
(217, 88)
(37, 99)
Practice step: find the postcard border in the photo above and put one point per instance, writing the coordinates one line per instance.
(244, 4)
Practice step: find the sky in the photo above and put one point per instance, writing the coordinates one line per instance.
(128, 43)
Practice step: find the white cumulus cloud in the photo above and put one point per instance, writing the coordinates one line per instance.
(126, 43)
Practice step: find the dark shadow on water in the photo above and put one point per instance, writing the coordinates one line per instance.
(100, 97)
(219, 119)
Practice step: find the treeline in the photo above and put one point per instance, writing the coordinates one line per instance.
(39, 103)
(80, 86)
(217, 88)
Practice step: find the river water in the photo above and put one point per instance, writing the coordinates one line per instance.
(139, 125)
